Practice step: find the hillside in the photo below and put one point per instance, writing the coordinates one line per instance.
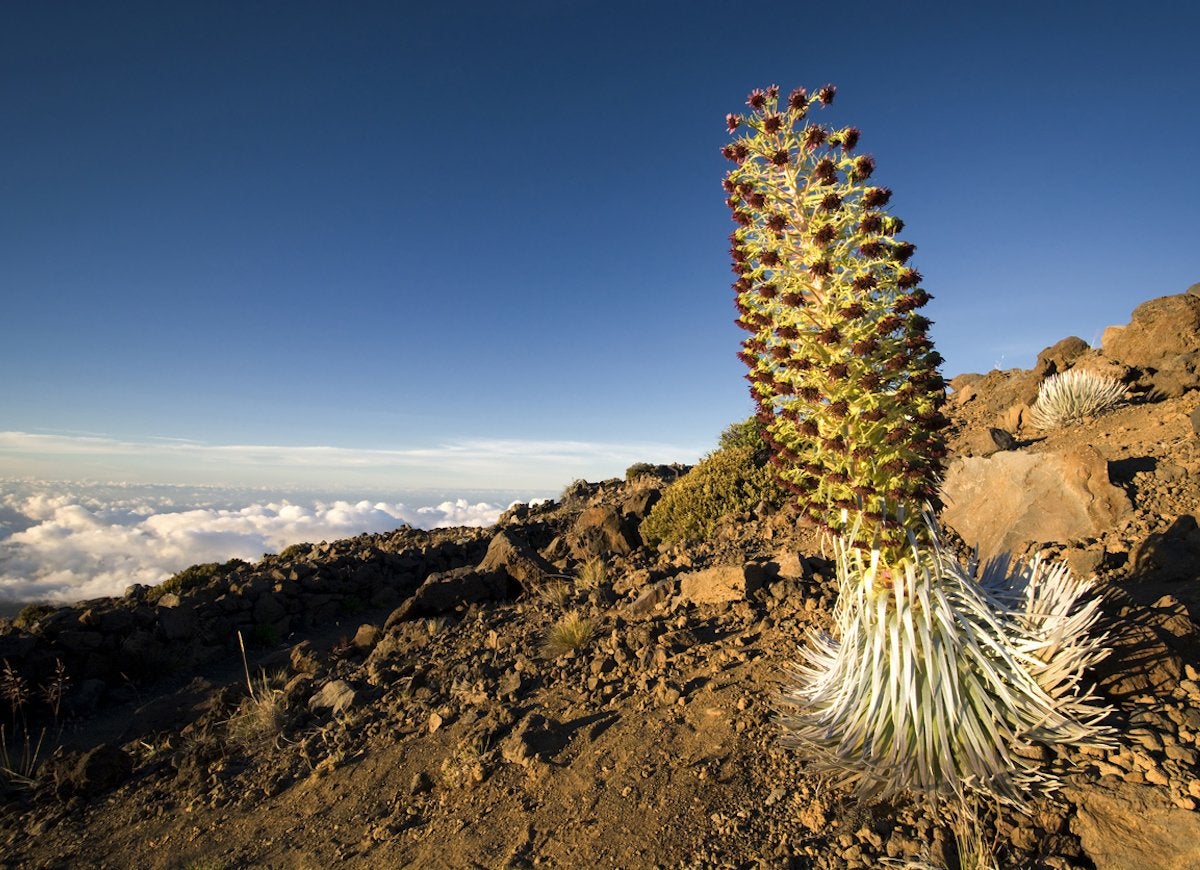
(409, 708)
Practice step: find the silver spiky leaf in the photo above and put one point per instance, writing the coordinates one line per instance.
(1072, 395)
(936, 682)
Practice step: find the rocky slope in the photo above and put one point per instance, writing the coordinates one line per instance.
(417, 701)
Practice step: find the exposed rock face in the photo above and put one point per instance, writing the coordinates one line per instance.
(720, 584)
(1124, 825)
(1006, 501)
(1160, 330)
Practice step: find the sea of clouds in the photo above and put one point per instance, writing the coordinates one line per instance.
(65, 542)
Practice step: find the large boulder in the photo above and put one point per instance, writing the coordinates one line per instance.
(601, 531)
(1004, 502)
(1125, 825)
(1161, 331)
(509, 555)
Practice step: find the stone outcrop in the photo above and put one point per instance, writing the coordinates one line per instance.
(1004, 502)
(1163, 335)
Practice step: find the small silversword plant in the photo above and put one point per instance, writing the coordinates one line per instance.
(1070, 396)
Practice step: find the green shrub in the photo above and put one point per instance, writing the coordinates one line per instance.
(195, 577)
(638, 469)
(731, 480)
(32, 614)
(295, 551)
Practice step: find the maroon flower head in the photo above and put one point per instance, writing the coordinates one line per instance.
(871, 250)
(874, 197)
(773, 91)
(787, 333)
(831, 202)
(918, 323)
(808, 427)
(829, 335)
(908, 278)
(905, 304)
(809, 394)
(863, 283)
(795, 300)
(780, 352)
(825, 170)
(757, 98)
(867, 346)
(849, 138)
(768, 290)
(826, 95)
(733, 121)
(743, 218)
(824, 234)
(776, 223)
(757, 200)
(798, 99)
(813, 137)
(864, 165)
(838, 371)
(727, 182)
(888, 324)
(772, 123)
(902, 251)
(821, 269)
(853, 311)
(769, 258)
(780, 157)
(871, 223)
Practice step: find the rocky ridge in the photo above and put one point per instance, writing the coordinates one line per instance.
(413, 708)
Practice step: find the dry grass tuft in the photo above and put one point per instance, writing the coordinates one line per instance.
(568, 634)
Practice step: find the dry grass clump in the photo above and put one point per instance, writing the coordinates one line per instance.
(593, 573)
(1072, 395)
(260, 718)
(555, 592)
(569, 633)
(20, 764)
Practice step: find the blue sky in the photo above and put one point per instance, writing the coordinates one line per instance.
(483, 245)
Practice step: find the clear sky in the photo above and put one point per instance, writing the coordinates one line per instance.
(484, 245)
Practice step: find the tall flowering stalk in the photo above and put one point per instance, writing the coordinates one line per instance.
(841, 366)
(937, 675)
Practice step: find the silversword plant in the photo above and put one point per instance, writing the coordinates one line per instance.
(937, 674)
(1070, 396)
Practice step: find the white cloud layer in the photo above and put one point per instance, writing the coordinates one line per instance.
(70, 541)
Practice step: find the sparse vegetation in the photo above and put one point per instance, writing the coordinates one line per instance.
(569, 633)
(1070, 396)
